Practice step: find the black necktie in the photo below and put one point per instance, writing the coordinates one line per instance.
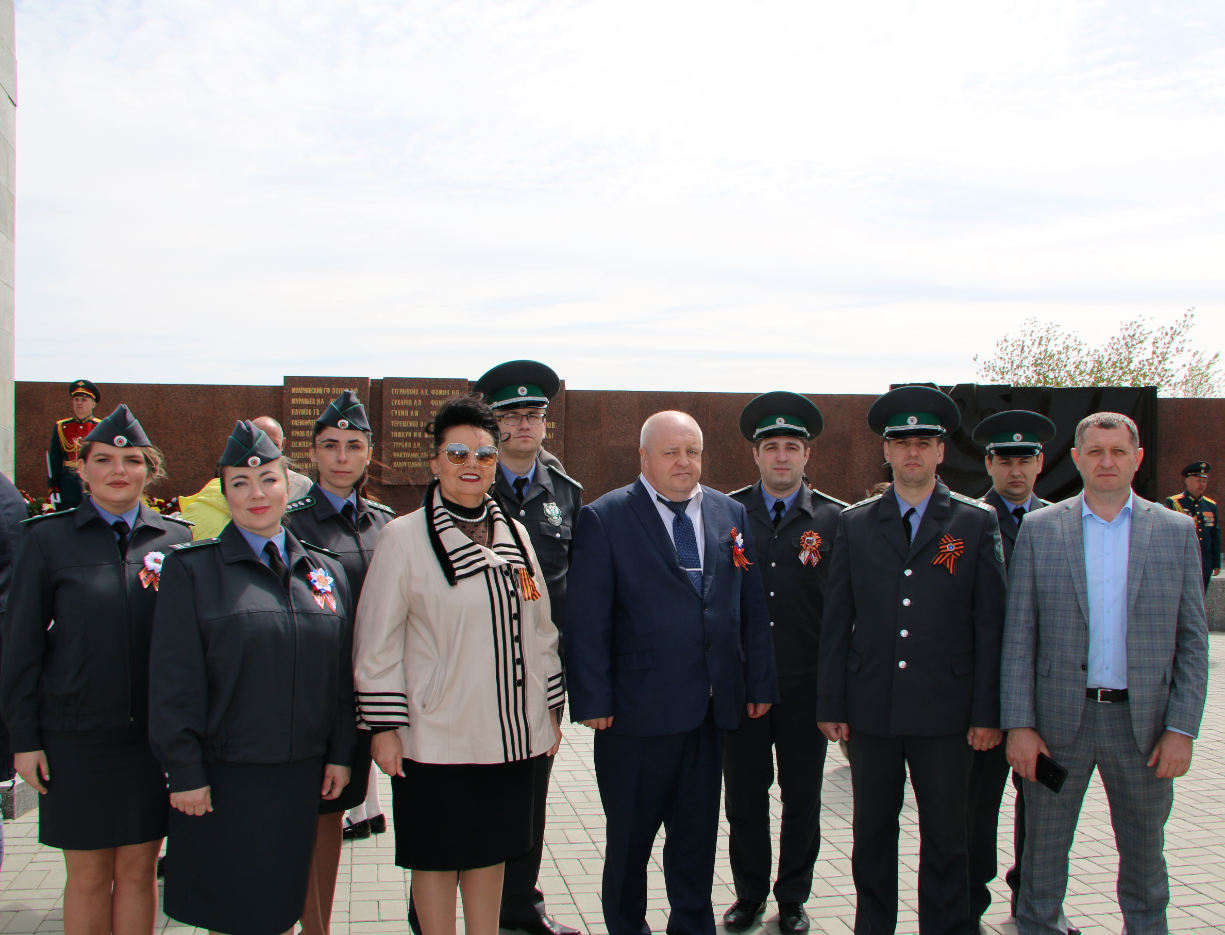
(1018, 514)
(349, 513)
(906, 525)
(686, 541)
(121, 530)
(520, 486)
(779, 509)
(276, 563)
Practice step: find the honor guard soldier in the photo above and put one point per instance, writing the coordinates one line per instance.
(532, 487)
(1013, 441)
(63, 484)
(910, 661)
(1202, 509)
(793, 528)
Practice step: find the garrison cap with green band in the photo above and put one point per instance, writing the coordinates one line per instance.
(248, 446)
(1014, 433)
(780, 413)
(914, 412)
(518, 384)
(120, 429)
(344, 412)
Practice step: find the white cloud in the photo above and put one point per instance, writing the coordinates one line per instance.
(725, 195)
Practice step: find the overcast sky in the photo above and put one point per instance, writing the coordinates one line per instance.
(817, 196)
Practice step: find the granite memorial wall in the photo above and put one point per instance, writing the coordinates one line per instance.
(595, 432)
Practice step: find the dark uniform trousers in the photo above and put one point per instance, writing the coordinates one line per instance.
(549, 511)
(795, 594)
(989, 775)
(790, 728)
(910, 659)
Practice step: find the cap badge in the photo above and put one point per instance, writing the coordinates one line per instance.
(522, 391)
(253, 461)
(1017, 436)
(121, 441)
(780, 421)
(342, 423)
(912, 420)
(552, 513)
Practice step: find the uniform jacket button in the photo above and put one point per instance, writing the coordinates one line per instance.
(905, 602)
(901, 664)
(908, 572)
(904, 634)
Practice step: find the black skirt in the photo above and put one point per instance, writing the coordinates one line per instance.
(242, 868)
(459, 817)
(354, 794)
(106, 790)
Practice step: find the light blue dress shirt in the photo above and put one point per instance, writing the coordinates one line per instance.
(257, 544)
(338, 503)
(919, 510)
(693, 511)
(786, 501)
(112, 518)
(511, 475)
(1106, 552)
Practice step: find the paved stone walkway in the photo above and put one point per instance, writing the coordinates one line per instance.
(371, 890)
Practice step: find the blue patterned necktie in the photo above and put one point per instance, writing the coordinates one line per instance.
(686, 541)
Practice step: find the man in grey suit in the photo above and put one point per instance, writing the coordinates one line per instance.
(1105, 666)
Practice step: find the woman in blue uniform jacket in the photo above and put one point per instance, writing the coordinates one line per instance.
(75, 680)
(334, 515)
(251, 703)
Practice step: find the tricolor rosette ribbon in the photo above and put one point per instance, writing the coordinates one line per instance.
(151, 572)
(321, 588)
(738, 557)
(810, 544)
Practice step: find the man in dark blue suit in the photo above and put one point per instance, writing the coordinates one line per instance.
(667, 639)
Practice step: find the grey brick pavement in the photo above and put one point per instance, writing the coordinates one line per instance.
(371, 889)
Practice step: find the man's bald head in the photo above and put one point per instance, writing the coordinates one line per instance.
(273, 428)
(670, 451)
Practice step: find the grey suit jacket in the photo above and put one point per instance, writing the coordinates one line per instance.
(1046, 633)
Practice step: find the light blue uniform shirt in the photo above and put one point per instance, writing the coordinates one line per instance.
(1106, 552)
(338, 503)
(511, 475)
(257, 544)
(112, 518)
(919, 510)
(786, 501)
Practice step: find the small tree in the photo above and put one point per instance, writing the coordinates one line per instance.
(1139, 354)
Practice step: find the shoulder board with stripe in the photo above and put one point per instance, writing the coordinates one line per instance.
(300, 504)
(856, 506)
(177, 519)
(381, 507)
(41, 516)
(824, 496)
(1208, 499)
(557, 472)
(199, 543)
(970, 501)
(740, 492)
(311, 547)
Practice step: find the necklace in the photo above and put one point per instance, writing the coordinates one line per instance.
(465, 514)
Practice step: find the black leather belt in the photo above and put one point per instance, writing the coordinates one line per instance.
(1107, 695)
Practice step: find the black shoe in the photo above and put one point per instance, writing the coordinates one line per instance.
(378, 824)
(542, 924)
(792, 919)
(359, 829)
(1073, 930)
(742, 914)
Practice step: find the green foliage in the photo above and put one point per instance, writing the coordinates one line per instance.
(1138, 354)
